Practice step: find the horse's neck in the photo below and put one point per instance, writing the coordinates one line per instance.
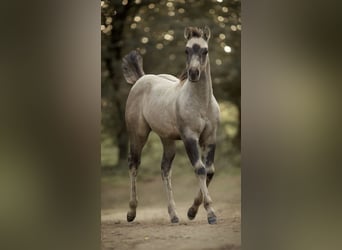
(202, 90)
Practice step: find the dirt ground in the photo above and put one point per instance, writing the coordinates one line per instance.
(152, 228)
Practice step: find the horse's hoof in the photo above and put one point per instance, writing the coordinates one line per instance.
(212, 219)
(192, 213)
(130, 216)
(174, 219)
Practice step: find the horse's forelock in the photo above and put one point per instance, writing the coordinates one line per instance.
(195, 32)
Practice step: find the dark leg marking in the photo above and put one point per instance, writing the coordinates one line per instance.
(133, 158)
(192, 212)
(166, 163)
(210, 155)
(200, 171)
(209, 160)
(193, 153)
(192, 150)
(209, 177)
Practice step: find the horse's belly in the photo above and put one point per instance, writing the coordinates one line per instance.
(164, 129)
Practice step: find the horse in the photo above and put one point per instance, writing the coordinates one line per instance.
(174, 108)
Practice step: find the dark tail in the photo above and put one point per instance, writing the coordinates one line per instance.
(132, 67)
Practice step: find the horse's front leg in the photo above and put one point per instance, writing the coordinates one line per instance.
(208, 159)
(193, 150)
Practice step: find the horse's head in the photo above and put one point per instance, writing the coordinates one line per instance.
(196, 51)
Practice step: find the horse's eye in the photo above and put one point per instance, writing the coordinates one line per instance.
(186, 51)
(205, 52)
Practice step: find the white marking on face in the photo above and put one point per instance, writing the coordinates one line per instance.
(195, 62)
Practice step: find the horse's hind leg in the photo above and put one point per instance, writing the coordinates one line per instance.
(208, 159)
(168, 156)
(137, 142)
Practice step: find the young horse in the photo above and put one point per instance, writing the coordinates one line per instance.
(174, 109)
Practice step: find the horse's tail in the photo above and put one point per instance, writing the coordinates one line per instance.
(132, 67)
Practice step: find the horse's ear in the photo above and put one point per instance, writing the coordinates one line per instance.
(187, 33)
(206, 33)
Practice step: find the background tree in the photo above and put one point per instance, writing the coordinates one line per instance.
(156, 28)
(114, 16)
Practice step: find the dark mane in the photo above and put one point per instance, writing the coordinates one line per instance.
(184, 75)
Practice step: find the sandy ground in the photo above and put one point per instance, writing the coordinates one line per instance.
(152, 228)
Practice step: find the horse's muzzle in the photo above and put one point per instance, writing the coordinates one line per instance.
(194, 75)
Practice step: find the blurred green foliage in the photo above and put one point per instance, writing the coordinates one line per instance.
(156, 28)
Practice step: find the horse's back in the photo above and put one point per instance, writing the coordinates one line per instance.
(150, 80)
(169, 77)
(154, 85)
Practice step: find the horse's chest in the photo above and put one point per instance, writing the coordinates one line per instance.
(205, 123)
(195, 120)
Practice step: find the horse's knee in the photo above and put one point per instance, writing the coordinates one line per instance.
(200, 171)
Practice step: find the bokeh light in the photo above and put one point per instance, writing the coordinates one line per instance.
(227, 49)
(168, 37)
(159, 46)
(137, 19)
(151, 5)
(144, 39)
(218, 62)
